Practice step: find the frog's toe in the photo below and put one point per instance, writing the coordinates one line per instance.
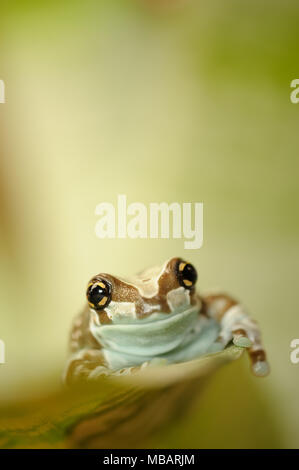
(261, 368)
(241, 340)
(98, 372)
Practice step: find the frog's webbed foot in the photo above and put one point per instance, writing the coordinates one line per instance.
(241, 339)
(155, 362)
(245, 333)
(237, 326)
(259, 365)
(257, 355)
(88, 364)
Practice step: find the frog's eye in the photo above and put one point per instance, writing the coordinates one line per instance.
(98, 294)
(186, 274)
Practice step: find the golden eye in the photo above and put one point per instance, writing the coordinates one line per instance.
(186, 274)
(98, 294)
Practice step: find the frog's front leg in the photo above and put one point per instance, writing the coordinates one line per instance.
(86, 359)
(88, 364)
(238, 326)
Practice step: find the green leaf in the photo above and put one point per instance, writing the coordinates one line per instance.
(116, 411)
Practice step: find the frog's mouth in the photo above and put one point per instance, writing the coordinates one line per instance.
(132, 344)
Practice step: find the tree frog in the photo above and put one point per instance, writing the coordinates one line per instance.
(156, 317)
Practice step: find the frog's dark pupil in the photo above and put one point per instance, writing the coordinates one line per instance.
(186, 274)
(189, 273)
(98, 295)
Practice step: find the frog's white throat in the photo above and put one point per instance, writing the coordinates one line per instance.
(129, 340)
(178, 300)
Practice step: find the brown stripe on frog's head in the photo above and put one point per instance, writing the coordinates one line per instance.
(159, 289)
(177, 273)
(104, 290)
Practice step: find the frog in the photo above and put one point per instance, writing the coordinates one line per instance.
(157, 317)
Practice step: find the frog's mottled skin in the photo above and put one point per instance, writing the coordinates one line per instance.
(157, 317)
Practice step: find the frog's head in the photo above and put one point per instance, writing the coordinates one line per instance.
(166, 289)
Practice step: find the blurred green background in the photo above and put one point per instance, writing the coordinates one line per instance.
(161, 101)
